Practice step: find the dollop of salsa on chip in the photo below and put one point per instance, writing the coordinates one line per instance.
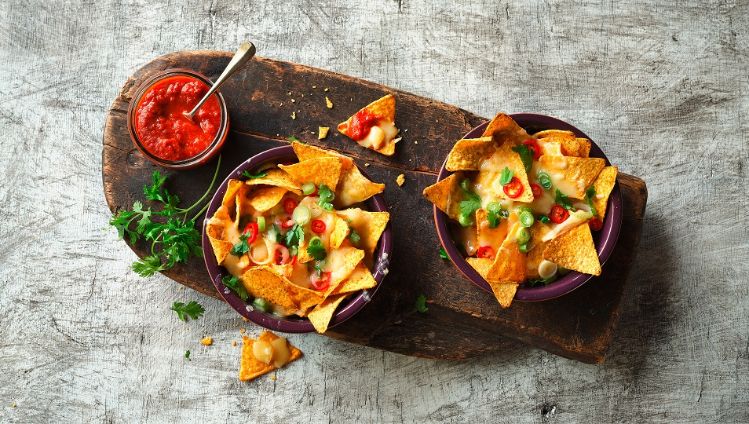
(290, 239)
(525, 204)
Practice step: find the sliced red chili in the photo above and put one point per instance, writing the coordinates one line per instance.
(537, 190)
(485, 252)
(287, 223)
(318, 226)
(320, 282)
(558, 214)
(289, 205)
(280, 255)
(514, 188)
(534, 147)
(595, 224)
(251, 230)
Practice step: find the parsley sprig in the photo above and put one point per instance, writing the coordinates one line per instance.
(563, 200)
(173, 237)
(526, 155)
(192, 310)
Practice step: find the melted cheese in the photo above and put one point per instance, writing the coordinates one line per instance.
(380, 135)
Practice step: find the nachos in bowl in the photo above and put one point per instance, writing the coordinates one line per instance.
(292, 237)
(524, 205)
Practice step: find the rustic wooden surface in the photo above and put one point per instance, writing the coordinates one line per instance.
(662, 86)
(464, 321)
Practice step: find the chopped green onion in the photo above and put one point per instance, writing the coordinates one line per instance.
(506, 176)
(301, 215)
(545, 219)
(494, 207)
(261, 304)
(526, 218)
(523, 235)
(316, 249)
(465, 220)
(261, 223)
(327, 206)
(354, 237)
(544, 179)
(308, 188)
(523, 248)
(443, 253)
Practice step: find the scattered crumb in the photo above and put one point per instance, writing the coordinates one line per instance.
(207, 341)
(416, 142)
(314, 86)
(302, 94)
(234, 343)
(351, 99)
(406, 130)
(366, 164)
(13, 405)
(289, 93)
(245, 319)
(326, 89)
(293, 115)
(400, 179)
(273, 377)
(293, 101)
(280, 104)
(328, 103)
(322, 132)
(242, 331)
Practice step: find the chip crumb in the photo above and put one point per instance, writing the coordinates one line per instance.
(289, 93)
(13, 405)
(280, 104)
(206, 341)
(416, 142)
(234, 343)
(322, 132)
(242, 331)
(273, 377)
(293, 115)
(366, 164)
(400, 179)
(328, 103)
(314, 86)
(293, 101)
(326, 89)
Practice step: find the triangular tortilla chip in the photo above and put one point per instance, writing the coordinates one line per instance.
(341, 263)
(571, 175)
(384, 109)
(276, 177)
(325, 170)
(369, 226)
(536, 253)
(481, 265)
(504, 130)
(307, 151)
(322, 314)
(570, 144)
(264, 198)
(339, 233)
(446, 194)
(215, 231)
(469, 153)
(360, 279)
(265, 283)
(231, 190)
(503, 157)
(250, 368)
(574, 250)
(504, 292)
(603, 185)
(509, 264)
(486, 236)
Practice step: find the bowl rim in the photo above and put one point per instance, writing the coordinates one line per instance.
(607, 236)
(191, 162)
(291, 325)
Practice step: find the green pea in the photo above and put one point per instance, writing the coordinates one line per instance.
(523, 235)
(526, 218)
(261, 223)
(523, 248)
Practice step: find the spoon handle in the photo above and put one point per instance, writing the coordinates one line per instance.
(245, 52)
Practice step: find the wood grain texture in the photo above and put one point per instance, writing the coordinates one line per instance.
(661, 86)
(464, 322)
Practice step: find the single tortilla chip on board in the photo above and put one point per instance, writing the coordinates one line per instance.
(278, 178)
(446, 195)
(574, 250)
(468, 154)
(504, 130)
(384, 109)
(603, 186)
(572, 175)
(264, 198)
(325, 170)
(250, 367)
(321, 316)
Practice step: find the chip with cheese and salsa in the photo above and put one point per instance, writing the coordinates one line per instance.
(525, 205)
(265, 354)
(286, 246)
(373, 126)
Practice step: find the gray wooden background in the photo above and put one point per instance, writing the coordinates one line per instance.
(661, 86)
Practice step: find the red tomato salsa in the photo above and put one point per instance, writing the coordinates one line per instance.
(162, 128)
(361, 123)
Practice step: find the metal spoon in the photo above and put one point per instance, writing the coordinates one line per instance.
(245, 52)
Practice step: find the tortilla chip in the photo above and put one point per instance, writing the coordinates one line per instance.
(322, 314)
(355, 187)
(504, 292)
(481, 265)
(508, 265)
(265, 198)
(325, 170)
(574, 250)
(339, 233)
(307, 151)
(278, 178)
(231, 190)
(576, 173)
(360, 279)
(503, 157)
(486, 236)
(467, 154)
(384, 108)
(215, 231)
(603, 185)
(341, 263)
(250, 368)
(551, 148)
(446, 195)
(369, 226)
(536, 253)
(263, 282)
(504, 130)
(571, 145)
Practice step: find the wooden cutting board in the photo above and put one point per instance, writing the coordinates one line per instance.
(463, 321)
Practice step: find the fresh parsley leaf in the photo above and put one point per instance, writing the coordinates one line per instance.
(191, 310)
(155, 191)
(252, 176)
(316, 249)
(241, 247)
(443, 253)
(468, 207)
(506, 176)
(493, 219)
(326, 196)
(545, 219)
(590, 194)
(421, 304)
(122, 221)
(563, 200)
(526, 155)
(540, 282)
(148, 266)
(354, 237)
(294, 236)
(235, 285)
(187, 354)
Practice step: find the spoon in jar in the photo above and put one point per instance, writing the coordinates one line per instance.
(245, 52)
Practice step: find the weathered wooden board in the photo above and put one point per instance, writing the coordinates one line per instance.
(462, 321)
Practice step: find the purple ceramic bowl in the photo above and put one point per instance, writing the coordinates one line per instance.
(605, 240)
(293, 324)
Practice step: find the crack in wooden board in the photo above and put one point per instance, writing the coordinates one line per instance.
(463, 321)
